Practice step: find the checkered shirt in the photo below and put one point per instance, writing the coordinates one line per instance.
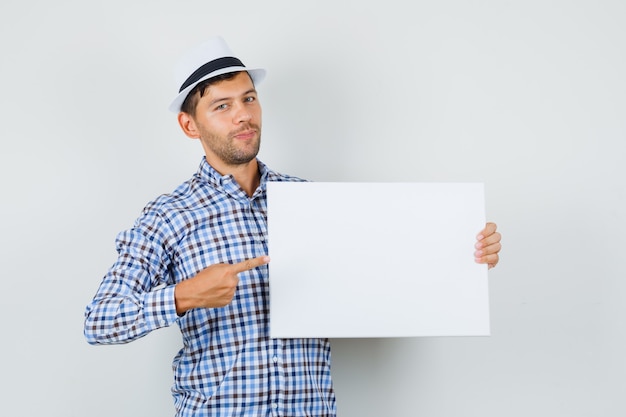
(228, 365)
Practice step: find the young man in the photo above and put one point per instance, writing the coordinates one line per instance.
(198, 257)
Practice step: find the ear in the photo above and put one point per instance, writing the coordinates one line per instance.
(188, 125)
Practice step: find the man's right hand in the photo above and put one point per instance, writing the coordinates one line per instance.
(214, 286)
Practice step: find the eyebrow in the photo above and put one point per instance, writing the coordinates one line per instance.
(245, 93)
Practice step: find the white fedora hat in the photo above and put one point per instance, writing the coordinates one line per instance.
(207, 60)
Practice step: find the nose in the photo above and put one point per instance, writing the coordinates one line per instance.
(242, 114)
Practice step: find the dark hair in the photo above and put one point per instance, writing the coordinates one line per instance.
(191, 101)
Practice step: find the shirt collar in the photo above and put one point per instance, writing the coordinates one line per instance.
(227, 182)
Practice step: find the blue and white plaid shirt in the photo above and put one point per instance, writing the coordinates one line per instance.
(228, 365)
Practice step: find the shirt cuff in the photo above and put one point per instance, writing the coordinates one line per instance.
(160, 308)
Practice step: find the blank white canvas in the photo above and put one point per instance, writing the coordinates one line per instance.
(376, 260)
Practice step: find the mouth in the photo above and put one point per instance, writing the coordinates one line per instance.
(245, 134)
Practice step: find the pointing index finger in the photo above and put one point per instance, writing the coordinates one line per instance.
(249, 264)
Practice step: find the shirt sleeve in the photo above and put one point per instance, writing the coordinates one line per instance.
(136, 296)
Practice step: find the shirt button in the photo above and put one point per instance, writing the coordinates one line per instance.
(275, 406)
(275, 359)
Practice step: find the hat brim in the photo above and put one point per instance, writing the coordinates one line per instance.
(257, 75)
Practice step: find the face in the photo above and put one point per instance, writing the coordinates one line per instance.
(228, 121)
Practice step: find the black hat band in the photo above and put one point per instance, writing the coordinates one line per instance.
(210, 67)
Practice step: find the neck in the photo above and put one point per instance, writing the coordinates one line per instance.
(247, 175)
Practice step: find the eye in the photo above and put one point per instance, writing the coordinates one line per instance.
(250, 99)
(222, 106)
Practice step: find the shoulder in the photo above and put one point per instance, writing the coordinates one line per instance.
(180, 209)
(285, 178)
(275, 176)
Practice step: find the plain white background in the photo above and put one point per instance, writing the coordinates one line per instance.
(528, 97)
